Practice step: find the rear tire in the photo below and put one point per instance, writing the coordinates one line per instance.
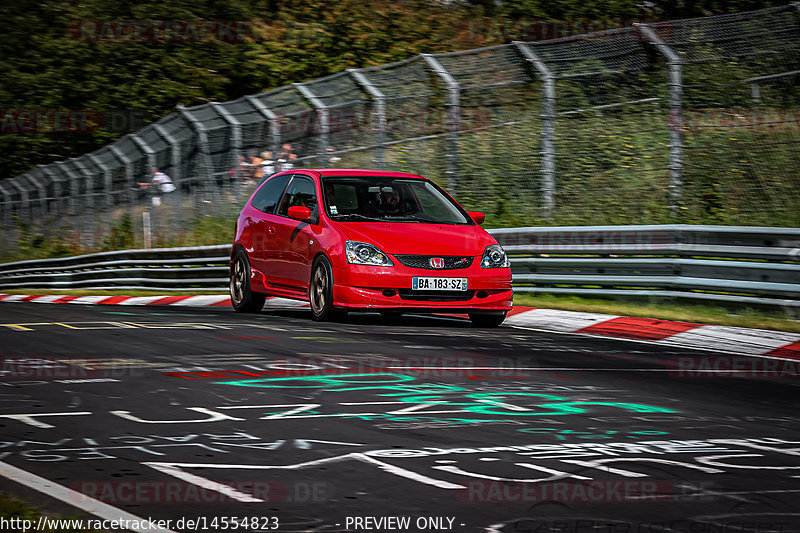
(320, 290)
(243, 299)
(487, 320)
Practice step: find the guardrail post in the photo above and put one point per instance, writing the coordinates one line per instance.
(379, 112)
(323, 119)
(453, 119)
(177, 172)
(205, 156)
(548, 126)
(236, 140)
(675, 64)
(274, 127)
(131, 179)
(88, 215)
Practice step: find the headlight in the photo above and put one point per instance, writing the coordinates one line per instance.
(361, 253)
(494, 257)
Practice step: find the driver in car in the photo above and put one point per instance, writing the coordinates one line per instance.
(391, 202)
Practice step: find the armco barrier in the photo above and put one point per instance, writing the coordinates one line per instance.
(750, 265)
(167, 269)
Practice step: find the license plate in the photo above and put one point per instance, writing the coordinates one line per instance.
(438, 284)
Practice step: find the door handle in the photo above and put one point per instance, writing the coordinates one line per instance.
(271, 230)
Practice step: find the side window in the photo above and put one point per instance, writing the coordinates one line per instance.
(268, 195)
(300, 192)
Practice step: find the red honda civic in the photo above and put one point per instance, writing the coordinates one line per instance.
(345, 239)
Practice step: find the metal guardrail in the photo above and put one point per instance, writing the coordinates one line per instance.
(167, 269)
(748, 265)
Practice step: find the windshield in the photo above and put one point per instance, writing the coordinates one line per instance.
(380, 198)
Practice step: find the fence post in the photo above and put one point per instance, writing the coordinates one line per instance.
(125, 160)
(675, 64)
(323, 116)
(89, 219)
(26, 181)
(57, 189)
(205, 156)
(548, 127)
(177, 174)
(7, 220)
(42, 195)
(152, 190)
(236, 140)
(453, 119)
(72, 209)
(274, 126)
(24, 212)
(379, 106)
(107, 186)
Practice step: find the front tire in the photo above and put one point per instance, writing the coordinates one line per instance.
(320, 290)
(243, 299)
(487, 320)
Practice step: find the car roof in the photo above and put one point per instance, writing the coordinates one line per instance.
(351, 172)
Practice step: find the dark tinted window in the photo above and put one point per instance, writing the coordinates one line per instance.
(300, 192)
(268, 195)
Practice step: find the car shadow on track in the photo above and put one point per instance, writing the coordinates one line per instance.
(376, 319)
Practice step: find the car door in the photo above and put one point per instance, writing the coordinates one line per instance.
(265, 201)
(289, 264)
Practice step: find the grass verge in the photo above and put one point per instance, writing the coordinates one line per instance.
(16, 512)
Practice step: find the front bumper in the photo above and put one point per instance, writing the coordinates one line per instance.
(371, 287)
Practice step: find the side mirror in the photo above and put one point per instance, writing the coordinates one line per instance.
(300, 212)
(477, 216)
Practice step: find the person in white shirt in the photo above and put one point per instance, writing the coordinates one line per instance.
(163, 184)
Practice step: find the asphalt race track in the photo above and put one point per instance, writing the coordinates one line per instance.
(197, 417)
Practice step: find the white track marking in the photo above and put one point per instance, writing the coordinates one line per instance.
(74, 498)
(745, 340)
(200, 301)
(557, 320)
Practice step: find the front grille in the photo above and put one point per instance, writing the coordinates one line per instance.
(436, 296)
(451, 262)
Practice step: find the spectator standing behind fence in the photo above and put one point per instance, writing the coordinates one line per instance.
(255, 161)
(331, 157)
(240, 169)
(286, 157)
(267, 164)
(163, 184)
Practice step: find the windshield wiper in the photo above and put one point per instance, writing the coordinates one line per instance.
(357, 216)
(402, 218)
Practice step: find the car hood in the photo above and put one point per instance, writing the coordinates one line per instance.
(420, 239)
